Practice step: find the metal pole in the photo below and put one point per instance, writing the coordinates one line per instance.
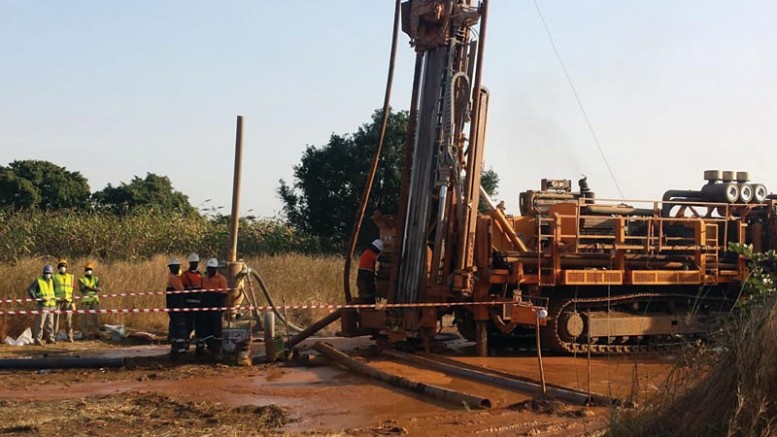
(312, 329)
(235, 220)
(440, 393)
(499, 378)
(539, 358)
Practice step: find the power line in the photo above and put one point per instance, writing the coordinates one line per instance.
(577, 99)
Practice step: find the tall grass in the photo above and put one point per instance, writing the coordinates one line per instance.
(138, 235)
(297, 278)
(729, 390)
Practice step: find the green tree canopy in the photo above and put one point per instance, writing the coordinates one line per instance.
(328, 182)
(41, 184)
(151, 192)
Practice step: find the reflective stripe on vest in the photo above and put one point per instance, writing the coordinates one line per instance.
(63, 286)
(87, 289)
(46, 291)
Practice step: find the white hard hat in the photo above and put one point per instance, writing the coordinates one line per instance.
(194, 258)
(212, 262)
(378, 245)
(174, 262)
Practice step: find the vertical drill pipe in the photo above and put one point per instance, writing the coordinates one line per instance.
(471, 193)
(235, 220)
(436, 392)
(376, 158)
(404, 192)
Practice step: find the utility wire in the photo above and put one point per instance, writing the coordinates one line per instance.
(577, 98)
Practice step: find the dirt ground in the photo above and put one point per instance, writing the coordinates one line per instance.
(154, 396)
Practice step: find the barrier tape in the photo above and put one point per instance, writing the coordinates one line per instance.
(253, 308)
(132, 293)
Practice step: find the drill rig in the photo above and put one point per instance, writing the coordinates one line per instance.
(604, 277)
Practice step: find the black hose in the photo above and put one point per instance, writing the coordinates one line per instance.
(270, 302)
(374, 168)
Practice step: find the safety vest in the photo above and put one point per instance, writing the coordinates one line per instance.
(217, 281)
(46, 291)
(367, 261)
(191, 280)
(63, 286)
(88, 287)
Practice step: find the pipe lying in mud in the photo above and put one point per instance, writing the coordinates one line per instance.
(497, 378)
(433, 391)
(312, 329)
(61, 363)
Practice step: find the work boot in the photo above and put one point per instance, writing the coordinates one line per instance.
(37, 342)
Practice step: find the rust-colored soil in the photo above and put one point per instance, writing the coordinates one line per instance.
(154, 396)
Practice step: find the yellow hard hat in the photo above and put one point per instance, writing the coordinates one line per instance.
(89, 265)
(62, 261)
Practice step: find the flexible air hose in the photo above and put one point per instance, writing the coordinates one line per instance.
(270, 302)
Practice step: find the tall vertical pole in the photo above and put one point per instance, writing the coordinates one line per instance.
(234, 221)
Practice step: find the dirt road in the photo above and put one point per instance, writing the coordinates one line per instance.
(156, 397)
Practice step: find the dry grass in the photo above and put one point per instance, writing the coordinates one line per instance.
(297, 278)
(729, 391)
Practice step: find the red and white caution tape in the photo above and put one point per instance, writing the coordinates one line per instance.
(131, 293)
(252, 308)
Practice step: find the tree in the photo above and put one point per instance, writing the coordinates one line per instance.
(329, 181)
(151, 192)
(489, 180)
(41, 184)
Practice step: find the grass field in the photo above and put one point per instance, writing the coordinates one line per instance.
(296, 278)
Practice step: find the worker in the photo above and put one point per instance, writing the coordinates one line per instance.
(192, 280)
(365, 277)
(176, 331)
(42, 289)
(89, 287)
(63, 289)
(215, 297)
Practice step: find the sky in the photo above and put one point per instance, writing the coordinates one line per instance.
(115, 89)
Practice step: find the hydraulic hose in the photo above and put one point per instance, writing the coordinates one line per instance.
(270, 302)
(373, 170)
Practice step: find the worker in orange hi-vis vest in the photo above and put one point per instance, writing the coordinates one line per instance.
(192, 280)
(213, 300)
(176, 331)
(365, 277)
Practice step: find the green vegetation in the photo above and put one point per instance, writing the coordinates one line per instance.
(41, 185)
(153, 191)
(138, 235)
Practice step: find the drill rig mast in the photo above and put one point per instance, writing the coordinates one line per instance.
(430, 252)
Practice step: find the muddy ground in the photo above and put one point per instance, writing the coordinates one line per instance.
(154, 396)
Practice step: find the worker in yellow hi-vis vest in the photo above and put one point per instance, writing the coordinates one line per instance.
(42, 290)
(63, 290)
(89, 286)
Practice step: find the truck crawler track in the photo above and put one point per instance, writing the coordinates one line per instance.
(552, 339)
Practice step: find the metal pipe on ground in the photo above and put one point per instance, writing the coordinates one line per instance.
(312, 329)
(61, 363)
(439, 393)
(496, 377)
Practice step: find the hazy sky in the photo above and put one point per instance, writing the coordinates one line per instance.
(115, 89)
